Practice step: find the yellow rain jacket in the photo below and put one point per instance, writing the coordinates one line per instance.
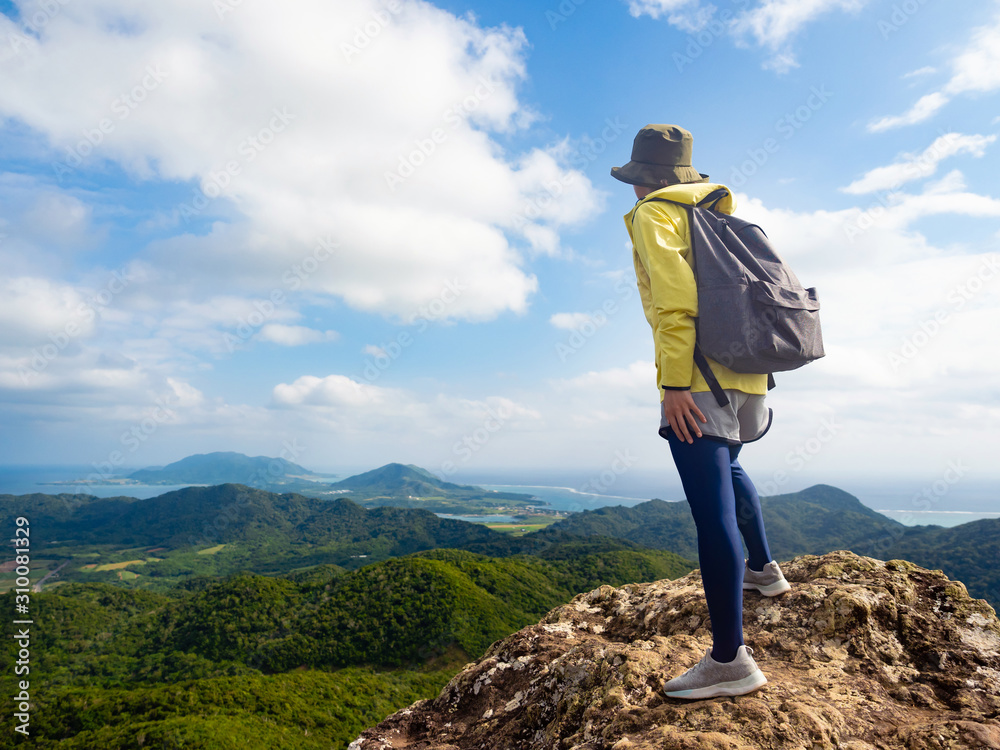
(661, 252)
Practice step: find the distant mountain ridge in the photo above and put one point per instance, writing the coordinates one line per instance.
(813, 521)
(222, 467)
(395, 484)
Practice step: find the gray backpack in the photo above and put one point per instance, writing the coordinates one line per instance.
(753, 314)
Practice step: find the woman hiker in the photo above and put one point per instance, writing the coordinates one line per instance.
(705, 439)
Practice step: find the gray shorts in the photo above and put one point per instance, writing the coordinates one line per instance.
(743, 420)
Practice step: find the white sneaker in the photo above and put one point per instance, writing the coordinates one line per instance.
(709, 678)
(770, 581)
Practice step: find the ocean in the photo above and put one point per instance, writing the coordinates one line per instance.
(910, 503)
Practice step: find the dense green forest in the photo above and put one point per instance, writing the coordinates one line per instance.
(296, 661)
(213, 617)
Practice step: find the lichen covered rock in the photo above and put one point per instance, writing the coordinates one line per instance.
(860, 654)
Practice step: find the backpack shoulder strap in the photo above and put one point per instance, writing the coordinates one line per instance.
(706, 372)
(712, 197)
(709, 199)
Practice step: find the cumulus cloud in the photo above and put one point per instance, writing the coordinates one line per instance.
(879, 234)
(441, 427)
(976, 69)
(333, 391)
(343, 119)
(637, 375)
(773, 24)
(916, 166)
(687, 15)
(570, 321)
(285, 335)
(34, 310)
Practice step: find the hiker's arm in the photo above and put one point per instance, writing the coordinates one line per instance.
(673, 294)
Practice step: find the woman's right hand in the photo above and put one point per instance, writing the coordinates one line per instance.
(682, 414)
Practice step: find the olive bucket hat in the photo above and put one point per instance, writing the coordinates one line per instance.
(661, 156)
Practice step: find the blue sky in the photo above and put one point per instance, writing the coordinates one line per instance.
(386, 231)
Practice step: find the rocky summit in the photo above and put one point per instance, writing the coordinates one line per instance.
(860, 654)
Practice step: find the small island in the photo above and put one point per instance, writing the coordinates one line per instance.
(396, 485)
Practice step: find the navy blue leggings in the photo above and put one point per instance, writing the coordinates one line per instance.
(725, 506)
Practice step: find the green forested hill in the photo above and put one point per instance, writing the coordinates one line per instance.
(202, 516)
(408, 486)
(969, 553)
(393, 479)
(276, 662)
(388, 613)
(814, 521)
(360, 612)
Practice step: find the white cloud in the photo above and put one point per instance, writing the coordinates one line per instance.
(373, 415)
(298, 128)
(773, 23)
(879, 234)
(925, 108)
(916, 166)
(285, 335)
(333, 391)
(570, 321)
(976, 69)
(637, 376)
(687, 15)
(39, 312)
(924, 71)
